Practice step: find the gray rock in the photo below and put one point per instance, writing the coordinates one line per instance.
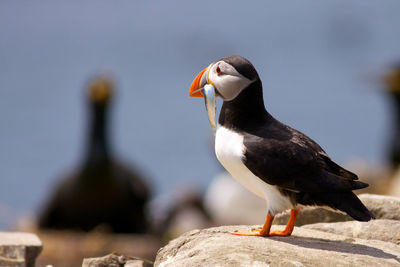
(112, 260)
(80, 245)
(384, 230)
(116, 260)
(135, 263)
(383, 207)
(306, 247)
(19, 249)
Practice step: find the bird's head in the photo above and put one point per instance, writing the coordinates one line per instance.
(101, 89)
(229, 76)
(392, 79)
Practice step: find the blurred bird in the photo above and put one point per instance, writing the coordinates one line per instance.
(178, 212)
(274, 161)
(392, 84)
(102, 191)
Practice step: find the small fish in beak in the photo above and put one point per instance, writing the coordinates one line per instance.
(210, 101)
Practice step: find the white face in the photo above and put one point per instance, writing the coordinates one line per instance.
(225, 78)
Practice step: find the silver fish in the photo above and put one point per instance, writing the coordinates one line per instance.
(210, 101)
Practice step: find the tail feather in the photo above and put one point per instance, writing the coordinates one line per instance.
(359, 185)
(353, 206)
(344, 201)
(329, 182)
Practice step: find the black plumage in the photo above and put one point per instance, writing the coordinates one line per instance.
(102, 191)
(392, 84)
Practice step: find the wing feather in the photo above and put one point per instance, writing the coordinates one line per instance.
(291, 160)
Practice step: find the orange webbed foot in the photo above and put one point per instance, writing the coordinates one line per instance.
(261, 231)
(265, 230)
(281, 233)
(253, 232)
(289, 227)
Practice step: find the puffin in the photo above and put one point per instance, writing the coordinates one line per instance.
(274, 161)
(102, 191)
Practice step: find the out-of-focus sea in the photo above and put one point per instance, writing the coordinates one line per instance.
(319, 61)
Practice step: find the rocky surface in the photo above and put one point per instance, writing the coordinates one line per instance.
(327, 238)
(116, 260)
(306, 247)
(19, 249)
(381, 229)
(80, 245)
(383, 207)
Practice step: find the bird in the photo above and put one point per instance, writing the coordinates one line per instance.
(274, 161)
(391, 81)
(103, 191)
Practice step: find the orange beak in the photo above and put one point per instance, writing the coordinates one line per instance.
(194, 90)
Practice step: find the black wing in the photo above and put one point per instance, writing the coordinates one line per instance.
(286, 158)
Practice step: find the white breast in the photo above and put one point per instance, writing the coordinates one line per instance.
(230, 150)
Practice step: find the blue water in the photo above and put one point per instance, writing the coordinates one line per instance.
(318, 60)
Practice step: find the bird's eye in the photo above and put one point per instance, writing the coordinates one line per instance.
(218, 70)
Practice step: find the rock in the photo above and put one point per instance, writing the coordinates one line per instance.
(108, 260)
(383, 207)
(19, 249)
(80, 245)
(306, 247)
(116, 260)
(384, 230)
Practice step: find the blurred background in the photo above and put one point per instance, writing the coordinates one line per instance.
(322, 65)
